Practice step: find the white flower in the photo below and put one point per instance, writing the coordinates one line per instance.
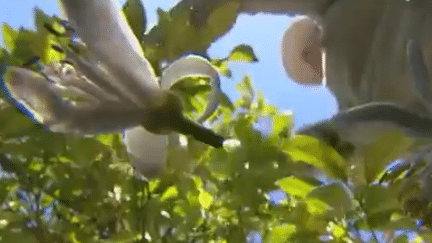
(113, 88)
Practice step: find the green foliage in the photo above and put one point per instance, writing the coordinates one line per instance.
(174, 35)
(64, 188)
(136, 18)
(242, 53)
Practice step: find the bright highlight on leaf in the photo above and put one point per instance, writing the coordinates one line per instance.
(294, 186)
(205, 199)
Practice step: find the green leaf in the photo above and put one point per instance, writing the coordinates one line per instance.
(294, 186)
(30, 43)
(8, 185)
(171, 192)
(281, 234)
(337, 230)
(313, 151)
(222, 67)
(245, 87)
(136, 17)
(109, 139)
(13, 122)
(9, 36)
(242, 53)
(124, 237)
(316, 206)
(401, 239)
(380, 198)
(4, 61)
(40, 19)
(40, 42)
(281, 125)
(334, 195)
(47, 200)
(424, 236)
(222, 19)
(205, 199)
(386, 149)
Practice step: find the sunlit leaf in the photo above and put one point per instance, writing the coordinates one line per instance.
(316, 206)
(282, 233)
(9, 35)
(171, 192)
(295, 186)
(242, 53)
(337, 230)
(311, 150)
(205, 199)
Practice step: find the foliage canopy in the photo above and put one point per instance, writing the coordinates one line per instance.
(64, 188)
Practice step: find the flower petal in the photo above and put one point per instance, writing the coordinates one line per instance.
(103, 28)
(66, 75)
(192, 65)
(44, 100)
(39, 97)
(99, 76)
(147, 151)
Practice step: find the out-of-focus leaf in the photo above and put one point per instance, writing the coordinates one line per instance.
(294, 186)
(8, 185)
(109, 139)
(311, 150)
(236, 234)
(4, 61)
(14, 123)
(379, 198)
(281, 234)
(222, 67)
(136, 17)
(316, 206)
(42, 41)
(9, 36)
(242, 53)
(401, 239)
(334, 195)
(124, 237)
(281, 126)
(281, 123)
(222, 19)
(424, 236)
(205, 199)
(386, 149)
(398, 221)
(245, 87)
(40, 19)
(47, 200)
(30, 43)
(171, 192)
(337, 230)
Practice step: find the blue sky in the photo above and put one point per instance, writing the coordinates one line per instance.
(262, 32)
